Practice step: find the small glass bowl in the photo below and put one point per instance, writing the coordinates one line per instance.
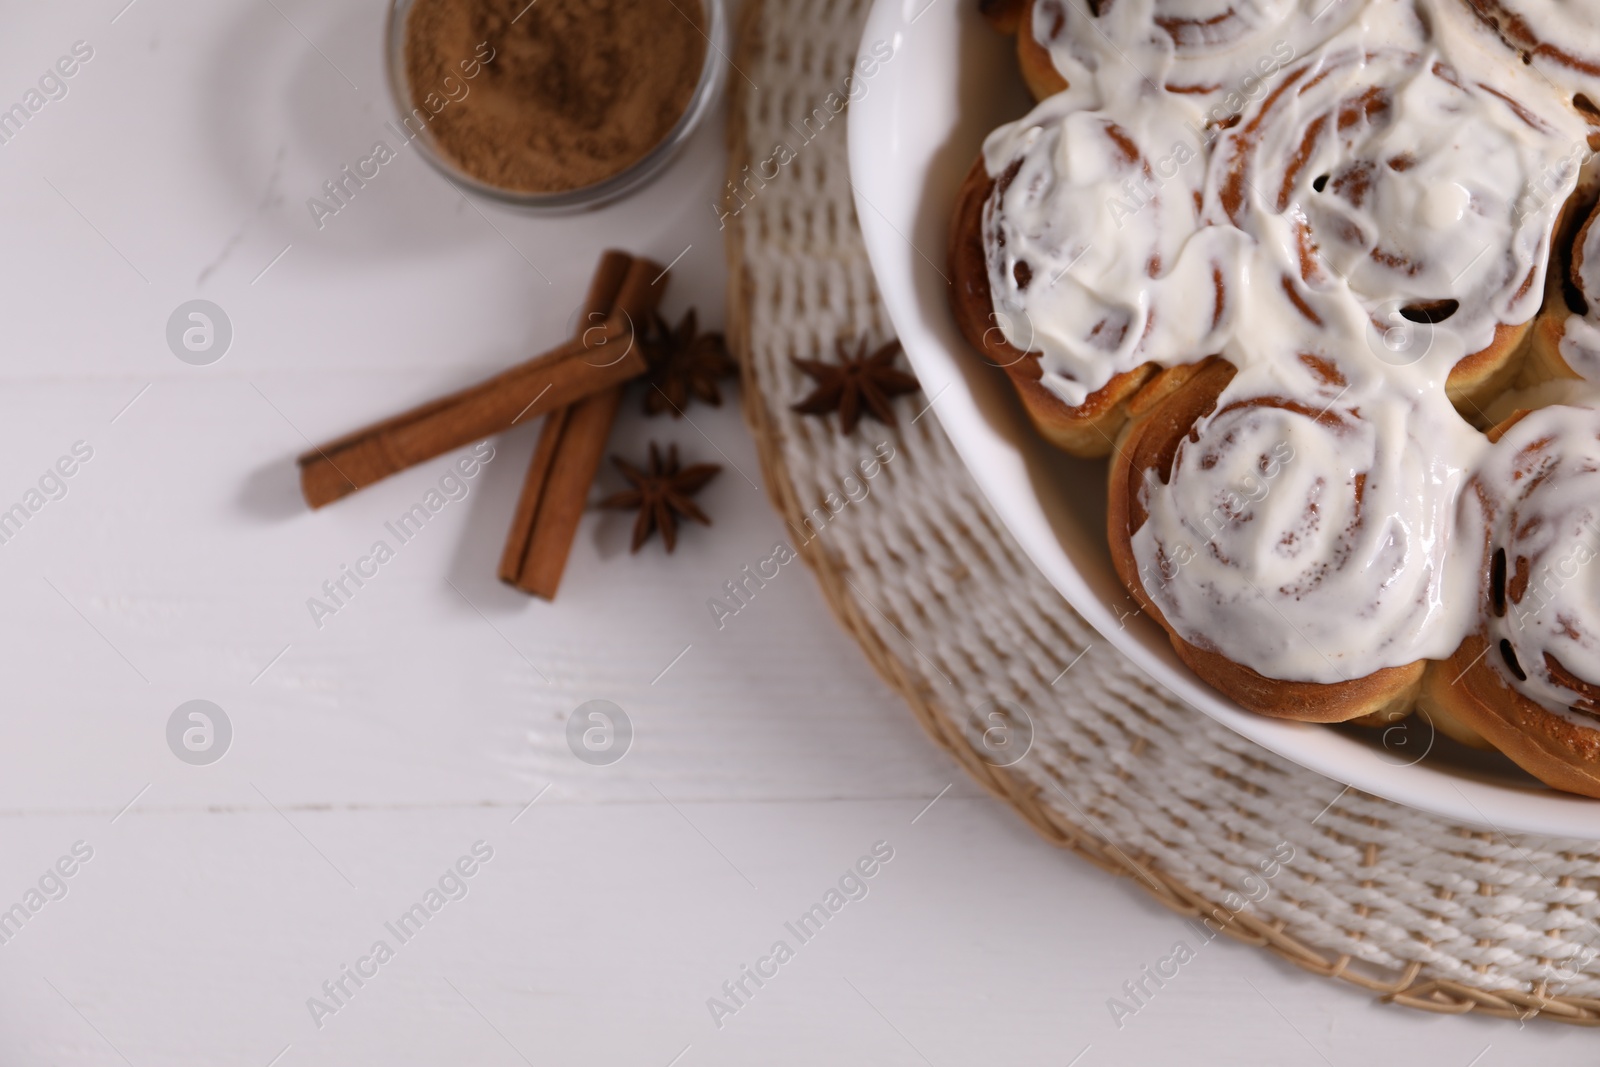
(585, 197)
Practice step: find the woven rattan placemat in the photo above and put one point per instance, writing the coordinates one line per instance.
(948, 609)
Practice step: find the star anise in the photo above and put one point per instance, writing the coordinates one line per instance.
(661, 495)
(682, 363)
(856, 385)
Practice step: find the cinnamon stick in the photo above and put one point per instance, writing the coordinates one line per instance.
(600, 357)
(571, 444)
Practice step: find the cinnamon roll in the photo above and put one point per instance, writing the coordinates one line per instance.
(1390, 177)
(1528, 679)
(1207, 50)
(1294, 547)
(1077, 263)
(1087, 428)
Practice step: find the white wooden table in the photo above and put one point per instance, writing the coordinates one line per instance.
(370, 755)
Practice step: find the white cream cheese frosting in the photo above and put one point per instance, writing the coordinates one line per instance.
(1204, 50)
(1310, 540)
(1380, 204)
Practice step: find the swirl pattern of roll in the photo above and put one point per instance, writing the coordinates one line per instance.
(1088, 427)
(1389, 176)
(1077, 289)
(1293, 548)
(1559, 37)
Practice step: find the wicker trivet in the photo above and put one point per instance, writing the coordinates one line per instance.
(945, 605)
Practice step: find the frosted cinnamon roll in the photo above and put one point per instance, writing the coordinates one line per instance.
(1087, 428)
(1528, 679)
(1078, 264)
(1294, 547)
(1207, 50)
(1386, 178)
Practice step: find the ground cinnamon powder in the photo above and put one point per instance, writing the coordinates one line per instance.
(561, 93)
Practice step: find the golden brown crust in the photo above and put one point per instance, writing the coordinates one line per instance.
(1038, 69)
(1544, 362)
(1479, 378)
(1441, 713)
(1091, 428)
(1149, 444)
(1467, 689)
(1388, 716)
